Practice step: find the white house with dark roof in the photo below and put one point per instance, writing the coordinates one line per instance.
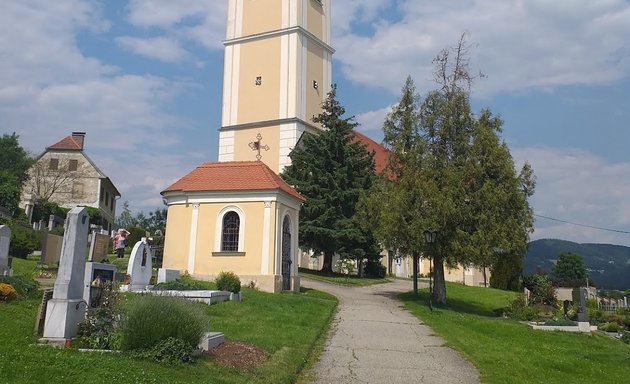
(65, 175)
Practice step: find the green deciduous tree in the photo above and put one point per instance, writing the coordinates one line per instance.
(14, 165)
(331, 169)
(569, 270)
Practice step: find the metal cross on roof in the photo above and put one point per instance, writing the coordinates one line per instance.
(257, 146)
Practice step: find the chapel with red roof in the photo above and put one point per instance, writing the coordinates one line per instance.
(237, 214)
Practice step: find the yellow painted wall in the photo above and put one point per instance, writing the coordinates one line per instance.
(261, 16)
(259, 102)
(315, 71)
(177, 237)
(315, 19)
(270, 136)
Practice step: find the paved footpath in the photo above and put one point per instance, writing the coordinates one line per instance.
(375, 340)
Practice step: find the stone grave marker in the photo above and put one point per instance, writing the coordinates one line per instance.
(140, 267)
(97, 275)
(51, 249)
(67, 308)
(98, 247)
(5, 241)
(579, 298)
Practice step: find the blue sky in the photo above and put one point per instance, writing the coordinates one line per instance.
(143, 78)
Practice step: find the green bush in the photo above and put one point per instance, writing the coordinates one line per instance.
(25, 286)
(185, 283)
(560, 322)
(626, 337)
(519, 310)
(541, 288)
(609, 327)
(374, 268)
(170, 351)
(150, 320)
(228, 281)
(23, 241)
(98, 330)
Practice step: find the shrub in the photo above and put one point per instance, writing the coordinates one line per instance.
(150, 320)
(7, 292)
(542, 291)
(374, 268)
(98, 330)
(626, 337)
(170, 351)
(609, 327)
(23, 241)
(560, 322)
(24, 286)
(185, 283)
(519, 310)
(228, 281)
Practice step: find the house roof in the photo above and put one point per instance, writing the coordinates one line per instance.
(381, 155)
(67, 143)
(232, 176)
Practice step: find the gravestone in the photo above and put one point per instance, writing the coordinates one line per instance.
(579, 299)
(140, 267)
(99, 246)
(67, 308)
(51, 249)
(5, 241)
(97, 275)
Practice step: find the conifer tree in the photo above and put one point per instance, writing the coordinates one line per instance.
(331, 169)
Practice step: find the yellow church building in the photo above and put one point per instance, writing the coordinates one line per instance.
(237, 214)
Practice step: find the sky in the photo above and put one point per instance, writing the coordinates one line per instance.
(143, 79)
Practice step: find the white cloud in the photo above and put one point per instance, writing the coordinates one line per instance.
(371, 122)
(161, 48)
(201, 21)
(536, 44)
(580, 187)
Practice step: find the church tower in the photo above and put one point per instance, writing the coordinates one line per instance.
(278, 71)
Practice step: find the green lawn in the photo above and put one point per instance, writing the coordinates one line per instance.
(506, 351)
(288, 326)
(338, 278)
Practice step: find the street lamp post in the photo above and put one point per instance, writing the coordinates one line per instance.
(430, 236)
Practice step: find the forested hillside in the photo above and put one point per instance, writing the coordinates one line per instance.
(608, 265)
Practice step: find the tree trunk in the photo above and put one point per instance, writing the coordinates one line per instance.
(439, 283)
(485, 279)
(327, 266)
(415, 273)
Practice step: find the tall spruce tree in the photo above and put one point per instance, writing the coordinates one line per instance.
(331, 169)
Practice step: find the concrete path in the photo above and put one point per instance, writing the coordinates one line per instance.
(375, 340)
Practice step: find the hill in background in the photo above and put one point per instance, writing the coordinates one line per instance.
(607, 264)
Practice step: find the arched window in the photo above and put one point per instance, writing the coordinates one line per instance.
(230, 232)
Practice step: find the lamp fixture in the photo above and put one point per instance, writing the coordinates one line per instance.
(315, 84)
(258, 80)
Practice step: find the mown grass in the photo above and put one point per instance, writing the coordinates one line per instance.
(338, 278)
(506, 351)
(288, 326)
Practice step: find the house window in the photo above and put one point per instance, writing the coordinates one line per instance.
(230, 232)
(111, 202)
(54, 164)
(102, 194)
(106, 198)
(73, 165)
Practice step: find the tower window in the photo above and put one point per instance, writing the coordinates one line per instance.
(54, 164)
(73, 165)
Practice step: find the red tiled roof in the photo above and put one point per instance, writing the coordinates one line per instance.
(232, 176)
(67, 142)
(381, 155)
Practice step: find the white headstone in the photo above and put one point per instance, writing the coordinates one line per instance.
(140, 267)
(5, 241)
(67, 308)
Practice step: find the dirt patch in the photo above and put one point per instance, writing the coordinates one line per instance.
(237, 354)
